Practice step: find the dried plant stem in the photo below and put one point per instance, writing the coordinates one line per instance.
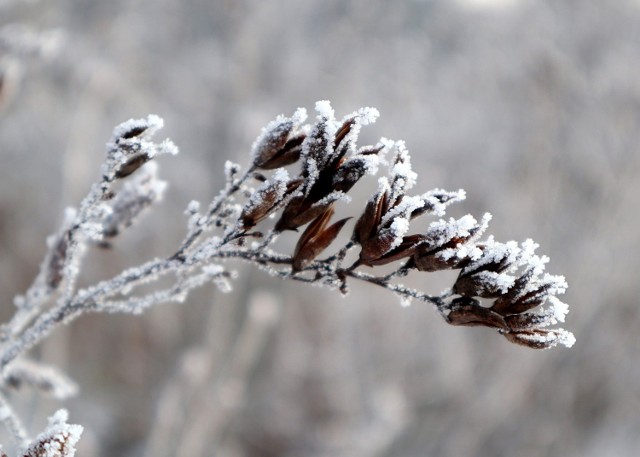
(500, 285)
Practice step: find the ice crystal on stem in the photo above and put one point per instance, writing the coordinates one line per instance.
(501, 286)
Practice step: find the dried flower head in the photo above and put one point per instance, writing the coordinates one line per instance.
(501, 286)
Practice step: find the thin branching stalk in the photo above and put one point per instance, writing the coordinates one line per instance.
(299, 173)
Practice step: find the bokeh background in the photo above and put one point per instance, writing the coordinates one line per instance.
(531, 106)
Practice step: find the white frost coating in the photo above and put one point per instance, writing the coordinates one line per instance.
(58, 440)
(399, 227)
(277, 183)
(492, 281)
(70, 214)
(278, 126)
(59, 417)
(274, 127)
(280, 175)
(152, 123)
(334, 196)
(193, 207)
(324, 109)
(565, 338)
(406, 301)
(550, 338)
(299, 116)
(120, 149)
(529, 259)
(213, 270)
(441, 232)
(367, 115)
(464, 251)
(403, 209)
(559, 308)
(433, 197)
(557, 282)
(325, 113)
(494, 252)
(369, 162)
(529, 247)
(167, 147)
(363, 116)
(555, 285)
(383, 185)
(311, 168)
(401, 166)
(230, 168)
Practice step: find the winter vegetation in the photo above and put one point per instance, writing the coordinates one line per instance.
(524, 302)
(244, 357)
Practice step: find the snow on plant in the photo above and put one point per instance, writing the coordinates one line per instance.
(499, 285)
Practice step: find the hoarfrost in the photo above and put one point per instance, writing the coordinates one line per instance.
(557, 310)
(403, 209)
(565, 338)
(58, 440)
(275, 134)
(402, 175)
(399, 227)
(324, 109)
(437, 200)
(134, 128)
(334, 196)
(494, 253)
(193, 207)
(406, 301)
(368, 115)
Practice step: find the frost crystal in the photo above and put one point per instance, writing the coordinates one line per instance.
(193, 207)
(401, 171)
(368, 115)
(324, 109)
(58, 440)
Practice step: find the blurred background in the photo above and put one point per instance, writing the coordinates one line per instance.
(533, 107)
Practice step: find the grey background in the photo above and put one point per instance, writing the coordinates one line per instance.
(533, 107)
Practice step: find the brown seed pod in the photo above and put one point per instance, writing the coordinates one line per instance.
(315, 239)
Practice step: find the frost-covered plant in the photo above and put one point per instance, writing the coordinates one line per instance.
(500, 285)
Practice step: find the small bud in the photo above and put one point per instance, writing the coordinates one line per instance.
(58, 440)
(526, 293)
(484, 277)
(468, 312)
(287, 155)
(279, 143)
(315, 239)
(406, 249)
(369, 220)
(315, 150)
(267, 200)
(302, 210)
(540, 338)
(343, 131)
(132, 164)
(450, 244)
